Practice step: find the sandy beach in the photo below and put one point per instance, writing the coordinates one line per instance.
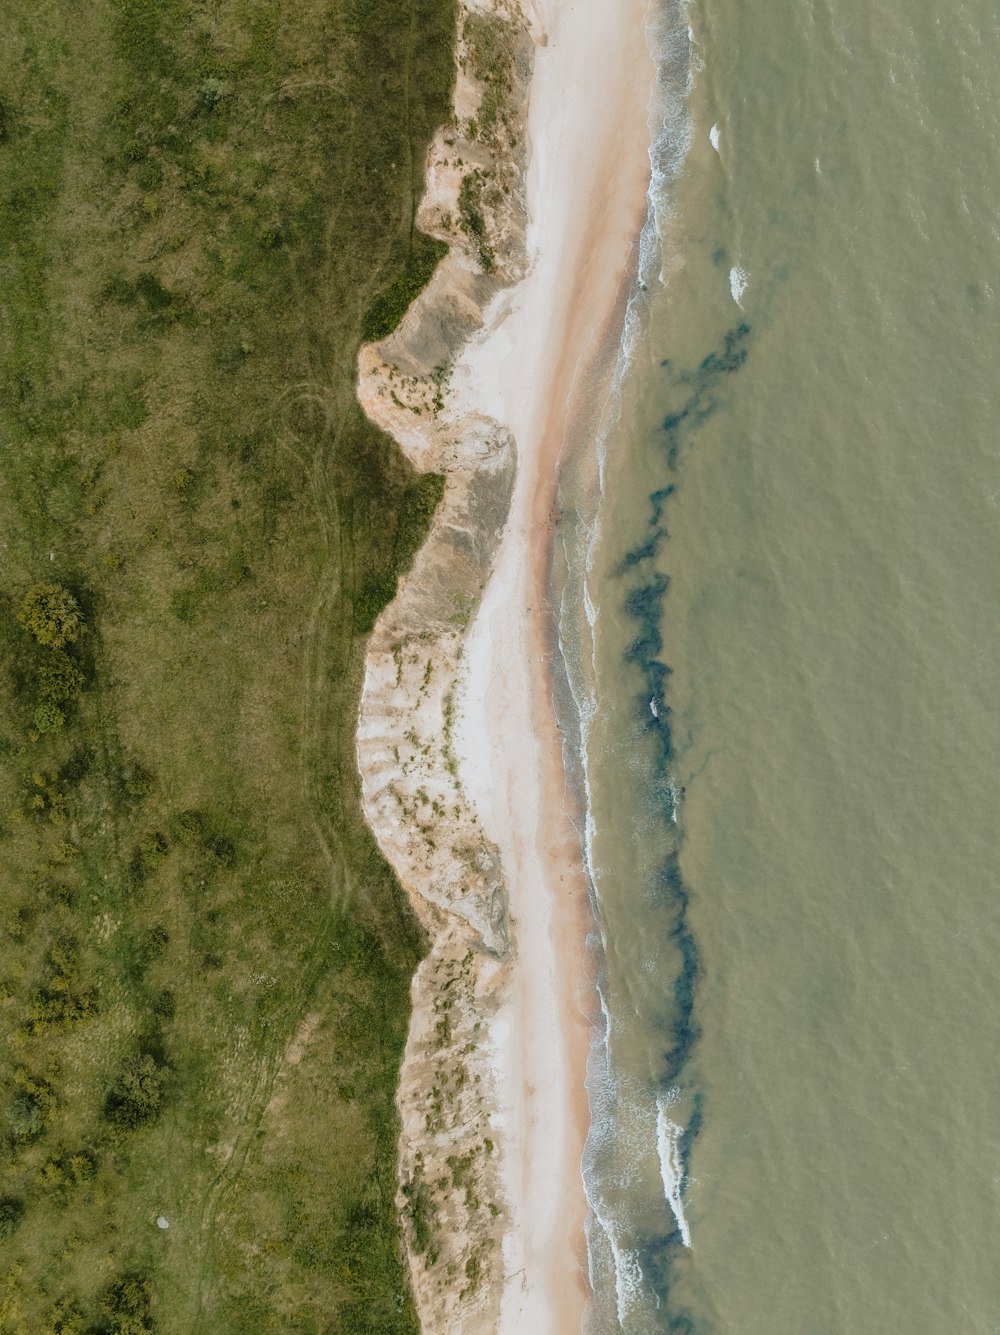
(458, 749)
(540, 369)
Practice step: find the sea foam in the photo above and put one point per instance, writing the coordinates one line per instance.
(668, 1148)
(738, 280)
(628, 1130)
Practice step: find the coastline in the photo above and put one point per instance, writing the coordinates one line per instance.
(458, 746)
(543, 371)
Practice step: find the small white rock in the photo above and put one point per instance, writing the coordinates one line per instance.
(163, 1222)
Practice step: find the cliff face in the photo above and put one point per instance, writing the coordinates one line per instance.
(451, 1146)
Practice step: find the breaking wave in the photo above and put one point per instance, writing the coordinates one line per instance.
(640, 1131)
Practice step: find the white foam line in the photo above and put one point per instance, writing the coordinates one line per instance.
(668, 1147)
(738, 280)
(670, 135)
(628, 1280)
(628, 1275)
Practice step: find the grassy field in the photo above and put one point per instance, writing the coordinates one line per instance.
(205, 964)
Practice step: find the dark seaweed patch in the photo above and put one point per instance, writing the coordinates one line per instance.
(700, 403)
(691, 1131)
(721, 364)
(655, 1254)
(644, 603)
(685, 1031)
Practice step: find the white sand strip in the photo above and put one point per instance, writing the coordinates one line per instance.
(545, 349)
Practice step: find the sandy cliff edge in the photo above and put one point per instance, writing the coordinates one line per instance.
(457, 744)
(451, 1197)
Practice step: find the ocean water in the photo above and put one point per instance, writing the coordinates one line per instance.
(779, 587)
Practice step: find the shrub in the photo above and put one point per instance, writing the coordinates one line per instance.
(66, 1318)
(135, 780)
(52, 614)
(127, 1303)
(154, 845)
(11, 1214)
(34, 1108)
(59, 678)
(137, 1094)
(59, 1003)
(62, 1171)
(26, 1117)
(473, 220)
(376, 592)
(212, 92)
(420, 1209)
(155, 942)
(419, 502)
(47, 717)
(51, 1008)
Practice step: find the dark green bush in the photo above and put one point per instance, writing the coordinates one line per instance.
(59, 677)
(56, 1010)
(11, 1214)
(47, 717)
(52, 614)
(137, 1094)
(473, 220)
(26, 1117)
(126, 1304)
(66, 1318)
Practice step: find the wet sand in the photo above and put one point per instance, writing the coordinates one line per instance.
(540, 369)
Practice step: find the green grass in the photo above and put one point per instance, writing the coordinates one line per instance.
(472, 219)
(488, 39)
(205, 965)
(391, 305)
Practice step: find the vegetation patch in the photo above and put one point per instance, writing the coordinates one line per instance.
(421, 1213)
(489, 40)
(389, 307)
(202, 213)
(470, 209)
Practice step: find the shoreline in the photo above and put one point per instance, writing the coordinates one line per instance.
(540, 371)
(458, 746)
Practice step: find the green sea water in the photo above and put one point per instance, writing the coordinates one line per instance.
(786, 677)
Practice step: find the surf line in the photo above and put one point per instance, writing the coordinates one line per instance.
(669, 1140)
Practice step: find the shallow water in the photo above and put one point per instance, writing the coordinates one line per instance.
(789, 698)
